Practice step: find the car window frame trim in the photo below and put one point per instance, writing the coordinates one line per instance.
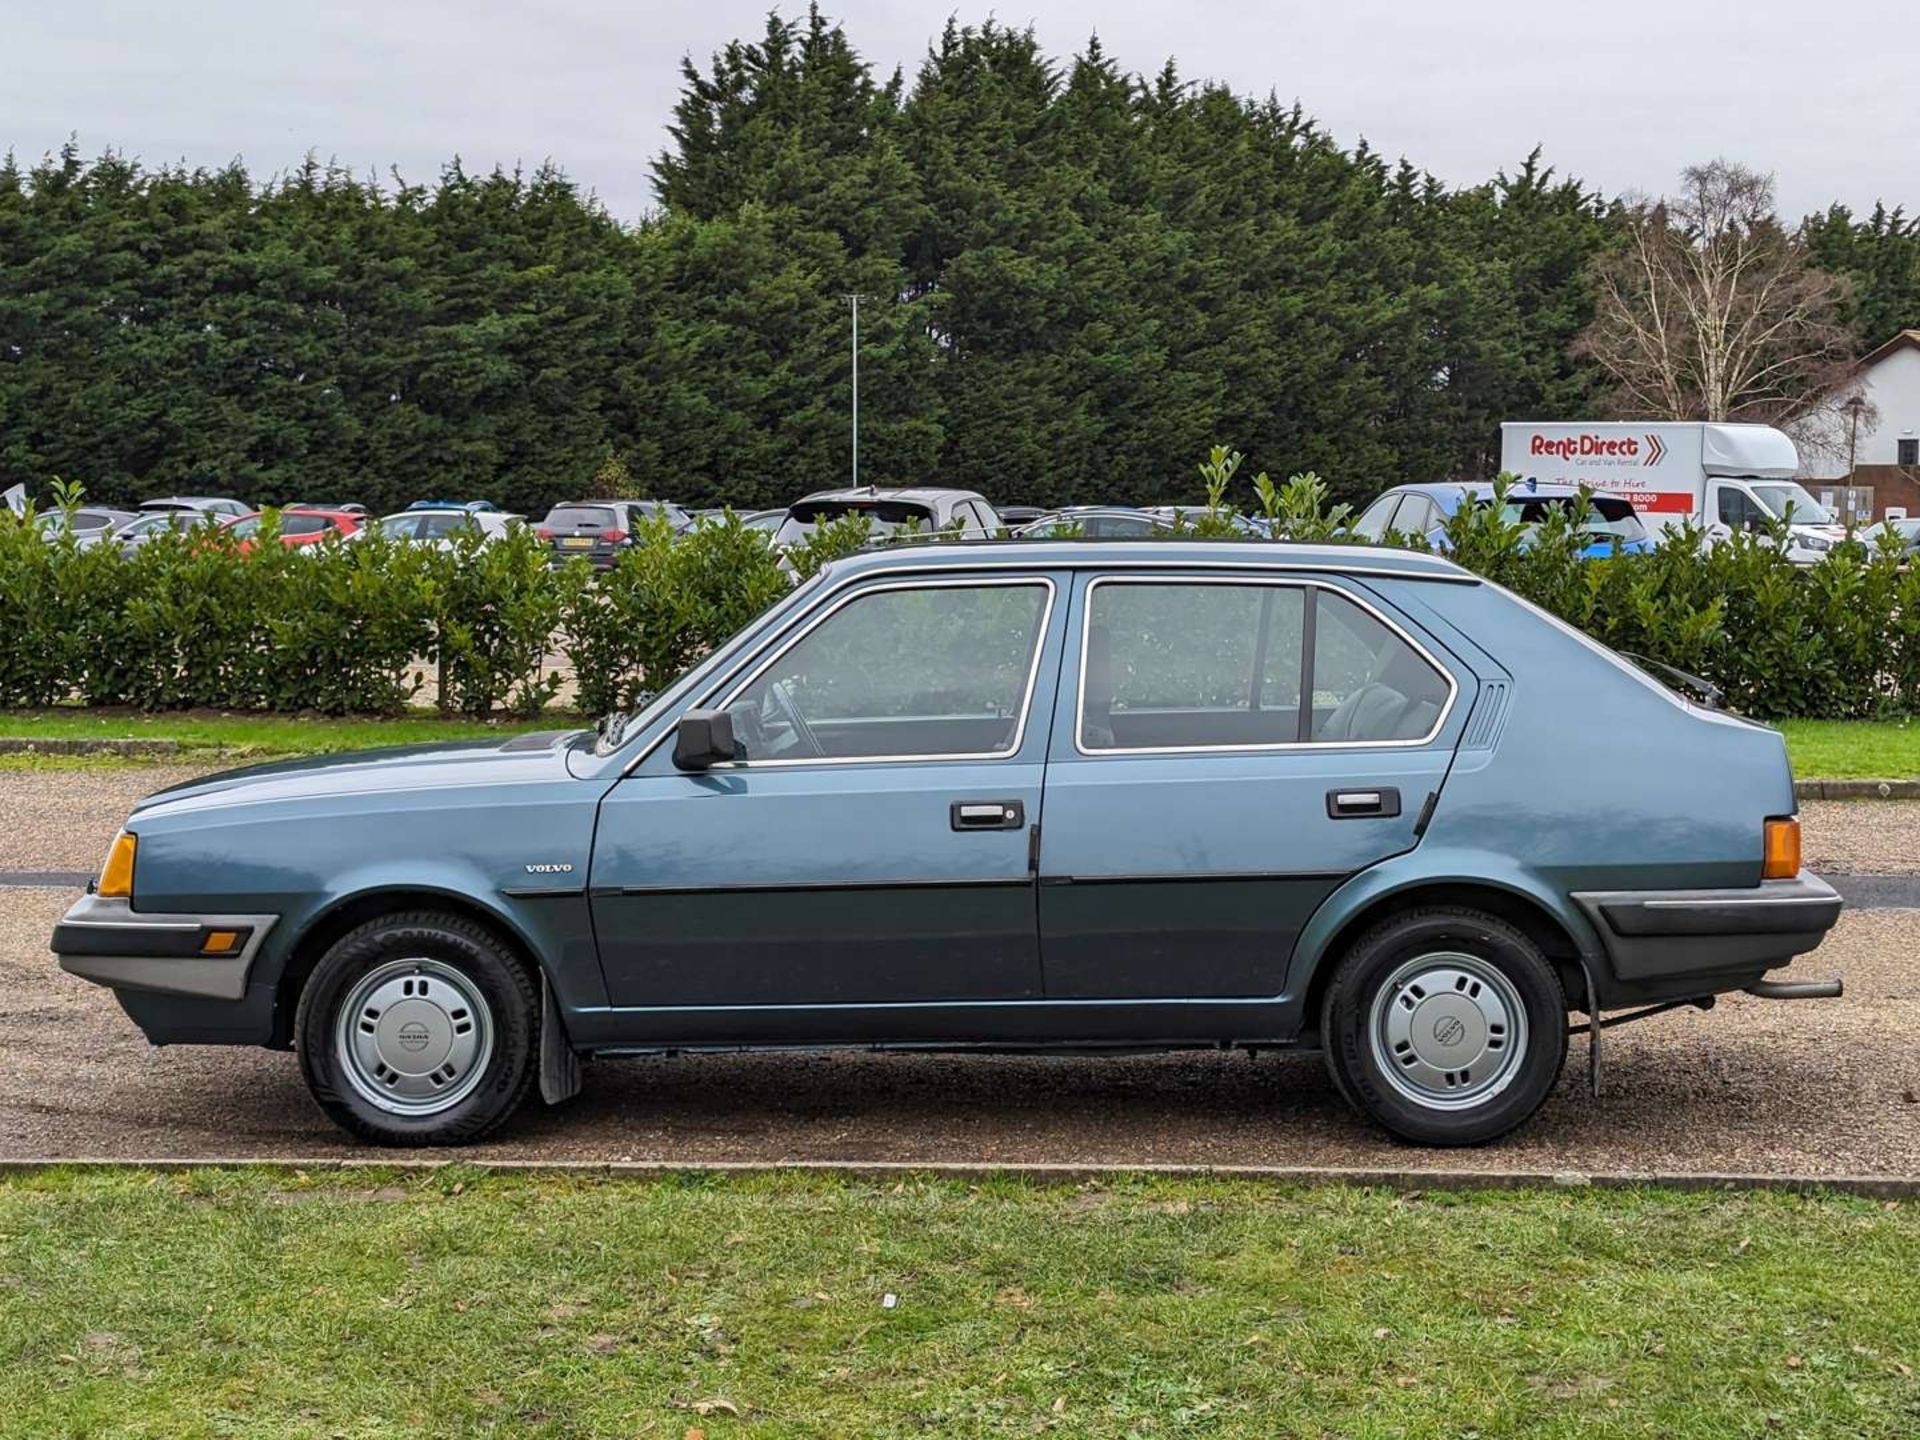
(1080, 680)
(1261, 570)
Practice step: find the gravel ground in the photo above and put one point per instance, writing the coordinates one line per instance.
(63, 819)
(1812, 1087)
(1824, 1087)
(1861, 837)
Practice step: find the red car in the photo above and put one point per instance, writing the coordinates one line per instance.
(299, 526)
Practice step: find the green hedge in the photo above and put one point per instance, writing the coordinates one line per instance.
(196, 620)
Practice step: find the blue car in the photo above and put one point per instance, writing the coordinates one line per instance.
(1029, 795)
(1423, 510)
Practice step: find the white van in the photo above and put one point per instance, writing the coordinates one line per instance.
(1723, 477)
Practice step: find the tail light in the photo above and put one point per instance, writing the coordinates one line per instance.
(1781, 851)
(618, 537)
(543, 532)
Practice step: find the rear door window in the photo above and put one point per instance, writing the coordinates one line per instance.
(1200, 665)
(1370, 685)
(1182, 665)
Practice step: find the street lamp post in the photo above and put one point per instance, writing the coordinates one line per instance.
(854, 298)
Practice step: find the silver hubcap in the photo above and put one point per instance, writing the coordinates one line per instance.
(414, 1036)
(1448, 1031)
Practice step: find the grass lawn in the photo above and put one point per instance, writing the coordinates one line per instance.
(229, 1303)
(204, 734)
(1854, 749)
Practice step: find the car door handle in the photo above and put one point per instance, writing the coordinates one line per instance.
(1355, 804)
(987, 814)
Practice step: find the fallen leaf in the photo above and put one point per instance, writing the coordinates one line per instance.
(1794, 1362)
(716, 1407)
(1381, 1333)
(1060, 1406)
(694, 1432)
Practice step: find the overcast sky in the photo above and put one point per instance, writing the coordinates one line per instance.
(1622, 95)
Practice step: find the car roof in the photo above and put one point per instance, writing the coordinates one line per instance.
(921, 494)
(1166, 554)
(1483, 490)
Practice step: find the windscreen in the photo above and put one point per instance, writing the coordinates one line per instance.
(886, 516)
(1606, 515)
(1776, 496)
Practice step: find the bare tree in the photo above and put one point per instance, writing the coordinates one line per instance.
(1711, 310)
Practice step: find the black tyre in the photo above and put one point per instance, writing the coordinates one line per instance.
(418, 1029)
(1446, 1026)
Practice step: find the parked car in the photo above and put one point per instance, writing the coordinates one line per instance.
(1014, 516)
(88, 524)
(1116, 522)
(442, 524)
(1092, 522)
(768, 522)
(891, 512)
(299, 527)
(218, 505)
(1295, 797)
(598, 530)
(1424, 510)
(143, 529)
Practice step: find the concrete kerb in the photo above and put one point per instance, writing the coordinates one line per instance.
(1872, 1187)
(13, 745)
(1857, 789)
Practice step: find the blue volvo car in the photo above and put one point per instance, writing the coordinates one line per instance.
(1612, 525)
(977, 796)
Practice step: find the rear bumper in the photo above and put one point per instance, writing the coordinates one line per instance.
(1674, 942)
(112, 944)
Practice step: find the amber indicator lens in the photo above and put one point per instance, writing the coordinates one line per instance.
(1782, 850)
(220, 942)
(116, 876)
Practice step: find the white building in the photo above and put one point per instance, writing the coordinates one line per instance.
(1885, 444)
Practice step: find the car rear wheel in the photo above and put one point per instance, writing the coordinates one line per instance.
(418, 1029)
(1447, 1026)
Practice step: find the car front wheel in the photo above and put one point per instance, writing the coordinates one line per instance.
(418, 1029)
(1445, 1025)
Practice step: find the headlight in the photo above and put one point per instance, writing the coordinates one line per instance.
(116, 875)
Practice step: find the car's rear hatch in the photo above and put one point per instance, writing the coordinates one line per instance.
(593, 531)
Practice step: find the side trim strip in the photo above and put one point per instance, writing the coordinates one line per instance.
(1008, 882)
(542, 892)
(1201, 877)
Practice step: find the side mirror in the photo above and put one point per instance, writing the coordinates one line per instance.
(703, 738)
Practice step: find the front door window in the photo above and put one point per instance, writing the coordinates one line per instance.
(917, 671)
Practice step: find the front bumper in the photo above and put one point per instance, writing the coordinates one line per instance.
(1702, 941)
(110, 943)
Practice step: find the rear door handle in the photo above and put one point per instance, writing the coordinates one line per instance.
(987, 815)
(1383, 802)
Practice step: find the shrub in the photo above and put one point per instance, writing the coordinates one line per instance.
(194, 619)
